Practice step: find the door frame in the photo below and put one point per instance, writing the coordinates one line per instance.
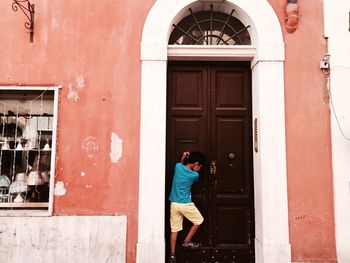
(270, 179)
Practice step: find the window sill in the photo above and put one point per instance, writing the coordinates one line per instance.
(11, 209)
(24, 205)
(24, 213)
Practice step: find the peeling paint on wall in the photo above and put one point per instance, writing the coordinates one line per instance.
(90, 146)
(80, 82)
(82, 173)
(60, 189)
(72, 93)
(73, 90)
(116, 148)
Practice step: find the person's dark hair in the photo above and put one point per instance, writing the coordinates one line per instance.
(195, 157)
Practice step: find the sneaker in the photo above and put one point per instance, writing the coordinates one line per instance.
(190, 245)
(172, 259)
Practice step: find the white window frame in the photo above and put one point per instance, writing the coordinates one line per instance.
(39, 212)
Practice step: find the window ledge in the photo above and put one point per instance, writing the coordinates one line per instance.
(24, 205)
(23, 213)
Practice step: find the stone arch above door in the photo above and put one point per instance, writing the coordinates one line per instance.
(271, 205)
(266, 32)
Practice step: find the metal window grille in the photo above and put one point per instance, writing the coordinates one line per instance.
(210, 28)
(27, 117)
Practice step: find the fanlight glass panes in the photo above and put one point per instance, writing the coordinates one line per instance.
(210, 28)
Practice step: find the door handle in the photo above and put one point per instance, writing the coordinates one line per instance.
(213, 167)
(231, 156)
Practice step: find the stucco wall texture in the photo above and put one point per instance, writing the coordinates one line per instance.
(309, 167)
(92, 49)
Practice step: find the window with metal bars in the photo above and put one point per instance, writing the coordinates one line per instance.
(210, 28)
(28, 117)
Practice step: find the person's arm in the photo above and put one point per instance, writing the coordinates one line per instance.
(184, 155)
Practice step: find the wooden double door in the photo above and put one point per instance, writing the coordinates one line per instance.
(209, 109)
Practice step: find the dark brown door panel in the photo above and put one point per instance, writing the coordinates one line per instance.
(209, 109)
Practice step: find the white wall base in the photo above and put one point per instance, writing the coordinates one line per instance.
(272, 252)
(85, 239)
(151, 252)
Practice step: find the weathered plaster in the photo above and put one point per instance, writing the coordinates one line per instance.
(97, 46)
(60, 189)
(91, 146)
(74, 90)
(73, 93)
(116, 148)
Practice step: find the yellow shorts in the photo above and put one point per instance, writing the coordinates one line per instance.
(177, 213)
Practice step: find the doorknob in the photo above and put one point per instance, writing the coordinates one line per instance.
(213, 167)
(231, 156)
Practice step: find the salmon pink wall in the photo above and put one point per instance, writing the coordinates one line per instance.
(309, 168)
(92, 49)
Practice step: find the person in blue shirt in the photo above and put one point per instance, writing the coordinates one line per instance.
(186, 173)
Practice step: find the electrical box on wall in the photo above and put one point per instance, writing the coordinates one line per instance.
(324, 63)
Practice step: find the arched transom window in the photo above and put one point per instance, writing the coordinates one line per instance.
(210, 28)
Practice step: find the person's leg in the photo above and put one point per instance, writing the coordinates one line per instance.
(191, 233)
(192, 213)
(176, 219)
(173, 237)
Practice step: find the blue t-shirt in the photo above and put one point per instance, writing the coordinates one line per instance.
(182, 183)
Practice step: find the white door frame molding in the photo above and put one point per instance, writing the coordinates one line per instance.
(267, 61)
